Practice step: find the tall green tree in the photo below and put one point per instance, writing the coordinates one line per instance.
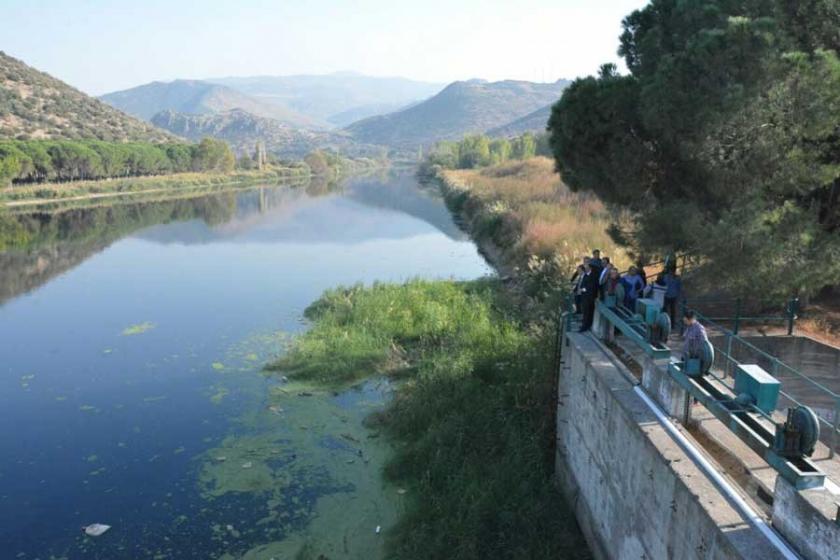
(722, 141)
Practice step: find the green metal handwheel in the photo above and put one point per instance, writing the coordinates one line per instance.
(662, 328)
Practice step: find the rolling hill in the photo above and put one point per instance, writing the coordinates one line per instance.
(241, 130)
(473, 106)
(532, 122)
(338, 98)
(199, 97)
(35, 105)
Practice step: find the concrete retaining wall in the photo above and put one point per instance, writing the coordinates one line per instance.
(636, 493)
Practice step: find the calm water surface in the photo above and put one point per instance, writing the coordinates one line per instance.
(132, 339)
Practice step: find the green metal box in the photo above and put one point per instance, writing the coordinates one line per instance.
(648, 309)
(752, 380)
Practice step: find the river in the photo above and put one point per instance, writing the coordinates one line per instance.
(132, 339)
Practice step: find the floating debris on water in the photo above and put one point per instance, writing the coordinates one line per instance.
(247, 465)
(139, 328)
(95, 529)
(221, 458)
(401, 491)
(304, 394)
(88, 408)
(275, 409)
(378, 529)
(349, 437)
(155, 398)
(218, 366)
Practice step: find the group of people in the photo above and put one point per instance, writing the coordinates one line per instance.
(597, 277)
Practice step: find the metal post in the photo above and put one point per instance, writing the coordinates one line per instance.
(836, 427)
(793, 309)
(729, 358)
(737, 315)
(571, 305)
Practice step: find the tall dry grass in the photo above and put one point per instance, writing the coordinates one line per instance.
(553, 221)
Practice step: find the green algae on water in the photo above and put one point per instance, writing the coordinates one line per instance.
(139, 328)
(221, 393)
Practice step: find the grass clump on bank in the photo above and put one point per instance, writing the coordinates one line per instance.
(471, 421)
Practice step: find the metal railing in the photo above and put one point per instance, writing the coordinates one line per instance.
(741, 315)
(735, 350)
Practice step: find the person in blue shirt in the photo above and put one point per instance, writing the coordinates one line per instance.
(633, 286)
(673, 293)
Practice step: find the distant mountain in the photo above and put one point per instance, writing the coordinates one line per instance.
(473, 106)
(33, 104)
(350, 116)
(532, 122)
(334, 97)
(199, 97)
(242, 130)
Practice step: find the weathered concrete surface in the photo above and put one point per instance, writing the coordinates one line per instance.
(808, 519)
(635, 491)
(658, 383)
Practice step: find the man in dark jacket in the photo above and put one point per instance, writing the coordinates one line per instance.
(588, 293)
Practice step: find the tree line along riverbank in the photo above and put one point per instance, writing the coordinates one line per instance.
(321, 164)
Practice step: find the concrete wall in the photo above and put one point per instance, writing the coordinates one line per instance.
(808, 519)
(635, 491)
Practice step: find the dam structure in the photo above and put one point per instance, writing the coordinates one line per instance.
(659, 463)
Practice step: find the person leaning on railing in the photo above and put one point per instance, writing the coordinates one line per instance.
(694, 335)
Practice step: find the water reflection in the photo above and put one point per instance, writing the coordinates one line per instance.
(132, 338)
(44, 244)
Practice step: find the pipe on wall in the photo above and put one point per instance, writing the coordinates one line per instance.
(718, 480)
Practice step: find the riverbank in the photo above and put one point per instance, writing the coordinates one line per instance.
(528, 223)
(469, 425)
(30, 195)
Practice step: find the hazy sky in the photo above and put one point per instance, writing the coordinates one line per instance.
(105, 45)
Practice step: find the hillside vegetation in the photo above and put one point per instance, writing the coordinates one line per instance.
(721, 141)
(199, 97)
(535, 122)
(461, 108)
(34, 105)
(242, 129)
